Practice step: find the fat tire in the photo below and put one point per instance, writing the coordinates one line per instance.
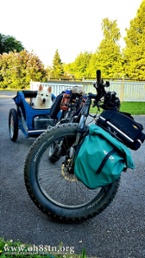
(13, 118)
(46, 205)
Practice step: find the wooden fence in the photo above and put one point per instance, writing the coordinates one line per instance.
(126, 90)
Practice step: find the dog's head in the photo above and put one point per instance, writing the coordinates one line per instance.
(44, 93)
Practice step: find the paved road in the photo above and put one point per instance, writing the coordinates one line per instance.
(119, 232)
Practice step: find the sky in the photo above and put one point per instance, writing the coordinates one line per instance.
(71, 26)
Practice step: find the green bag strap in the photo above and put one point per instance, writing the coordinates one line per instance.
(104, 161)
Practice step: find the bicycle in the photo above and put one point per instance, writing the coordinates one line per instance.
(53, 186)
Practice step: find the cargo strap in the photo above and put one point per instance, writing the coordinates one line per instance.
(104, 161)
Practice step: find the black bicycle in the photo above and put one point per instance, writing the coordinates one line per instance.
(53, 186)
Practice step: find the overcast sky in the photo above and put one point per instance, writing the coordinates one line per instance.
(71, 26)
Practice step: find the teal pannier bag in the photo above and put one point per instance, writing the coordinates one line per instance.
(101, 158)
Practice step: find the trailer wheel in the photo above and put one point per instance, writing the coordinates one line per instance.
(13, 124)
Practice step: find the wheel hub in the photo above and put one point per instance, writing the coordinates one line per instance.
(67, 171)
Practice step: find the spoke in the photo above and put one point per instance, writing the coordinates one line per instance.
(58, 184)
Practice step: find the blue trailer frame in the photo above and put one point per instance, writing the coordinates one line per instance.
(24, 114)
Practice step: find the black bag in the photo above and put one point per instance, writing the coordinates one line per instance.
(55, 108)
(123, 127)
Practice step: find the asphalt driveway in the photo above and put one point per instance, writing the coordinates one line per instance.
(119, 232)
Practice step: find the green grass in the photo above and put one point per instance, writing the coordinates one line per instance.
(26, 253)
(134, 108)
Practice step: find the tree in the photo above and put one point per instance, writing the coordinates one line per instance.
(134, 52)
(92, 67)
(9, 43)
(48, 72)
(107, 58)
(57, 70)
(79, 66)
(17, 69)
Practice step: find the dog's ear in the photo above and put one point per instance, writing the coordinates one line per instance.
(50, 89)
(40, 87)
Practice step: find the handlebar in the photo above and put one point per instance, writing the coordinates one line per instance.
(110, 100)
(98, 77)
(99, 81)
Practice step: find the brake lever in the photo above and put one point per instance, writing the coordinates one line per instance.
(106, 84)
(98, 85)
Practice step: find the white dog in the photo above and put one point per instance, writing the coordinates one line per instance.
(43, 98)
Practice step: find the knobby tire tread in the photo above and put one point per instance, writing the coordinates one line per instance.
(108, 198)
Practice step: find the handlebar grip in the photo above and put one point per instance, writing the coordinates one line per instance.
(98, 75)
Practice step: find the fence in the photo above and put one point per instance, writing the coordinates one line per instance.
(126, 91)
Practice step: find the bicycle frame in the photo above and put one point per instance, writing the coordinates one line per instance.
(100, 88)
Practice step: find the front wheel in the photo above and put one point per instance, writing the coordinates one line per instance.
(54, 188)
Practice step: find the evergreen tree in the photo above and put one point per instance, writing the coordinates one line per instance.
(108, 55)
(79, 66)
(68, 70)
(92, 67)
(134, 52)
(57, 70)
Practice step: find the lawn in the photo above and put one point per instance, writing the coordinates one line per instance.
(134, 108)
